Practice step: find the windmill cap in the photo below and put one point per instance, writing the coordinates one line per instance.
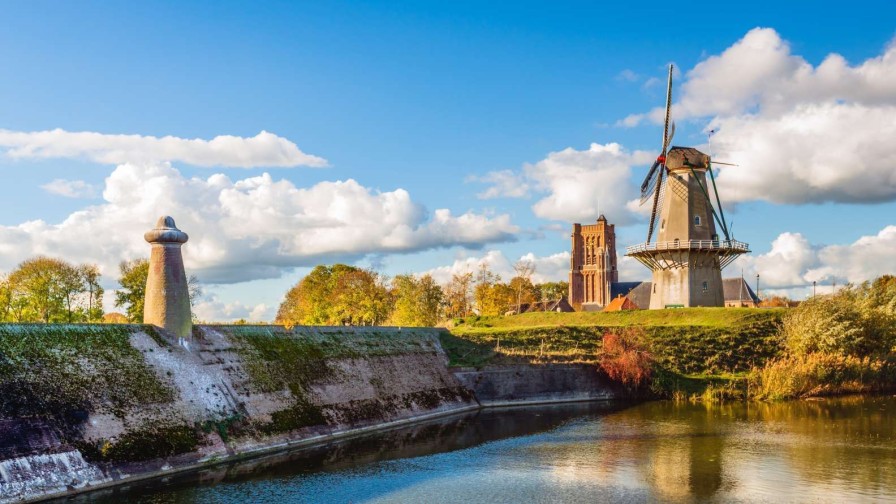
(165, 232)
(686, 158)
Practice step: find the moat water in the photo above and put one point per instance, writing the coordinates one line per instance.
(830, 450)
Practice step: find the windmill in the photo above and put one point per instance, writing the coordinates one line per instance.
(688, 255)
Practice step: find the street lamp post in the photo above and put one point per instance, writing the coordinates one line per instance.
(757, 285)
(813, 288)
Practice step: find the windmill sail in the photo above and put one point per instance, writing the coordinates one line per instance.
(654, 183)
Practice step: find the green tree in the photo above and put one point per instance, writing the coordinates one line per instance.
(416, 301)
(337, 294)
(90, 274)
(5, 299)
(132, 279)
(43, 289)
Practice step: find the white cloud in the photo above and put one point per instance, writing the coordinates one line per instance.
(577, 185)
(264, 149)
(505, 184)
(628, 75)
(246, 229)
(759, 71)
(794, 263)
(867, 258)
(214, 310)
(70, 188)
(799, 133)
(583, 184)
(814, 153)
(551, 268)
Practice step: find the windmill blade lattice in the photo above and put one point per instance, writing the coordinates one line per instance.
(659, 166)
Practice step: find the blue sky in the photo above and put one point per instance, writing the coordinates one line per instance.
(430, 98)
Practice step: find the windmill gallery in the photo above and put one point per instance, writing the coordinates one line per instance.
(687, 255)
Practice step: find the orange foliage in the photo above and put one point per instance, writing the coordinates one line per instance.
(625, 358)
(778, 302)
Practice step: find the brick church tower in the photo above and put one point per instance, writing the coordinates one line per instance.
(592, 264)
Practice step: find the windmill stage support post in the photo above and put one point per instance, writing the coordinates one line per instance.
(167, 302)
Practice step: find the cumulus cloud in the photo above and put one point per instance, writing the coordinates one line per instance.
(812, 154)
(70, 188)
(247, 229)
(214, 310)
(551, 268)
(799, 132)
(264, 149)
(548, 268)
(504, 184)
(577, 185)
(793, 262)
(628, 75)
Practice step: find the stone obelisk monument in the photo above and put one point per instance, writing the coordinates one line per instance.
(167, 303)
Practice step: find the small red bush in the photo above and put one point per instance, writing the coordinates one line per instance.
(625, 358)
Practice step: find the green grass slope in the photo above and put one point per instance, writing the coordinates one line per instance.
(685, 341)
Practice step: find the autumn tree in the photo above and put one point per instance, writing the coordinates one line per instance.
(524, 291)
(483, 292)
(524, 270)
(334, 295)
(417, 301)
(550, 291)
(777, 302)
(5, 299)
(459, 295)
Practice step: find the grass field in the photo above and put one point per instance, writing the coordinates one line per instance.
(695, 341)
(704, 317)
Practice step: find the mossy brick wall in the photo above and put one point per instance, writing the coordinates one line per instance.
(131, 400)
(65, 371)
(344, 375)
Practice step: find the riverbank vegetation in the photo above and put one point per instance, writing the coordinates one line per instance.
(832, 344)
(835, 344)
(692, 341)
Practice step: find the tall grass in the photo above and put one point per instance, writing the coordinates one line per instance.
(818, 374)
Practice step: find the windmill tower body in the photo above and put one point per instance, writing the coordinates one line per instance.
(686, 275)
(687, 257)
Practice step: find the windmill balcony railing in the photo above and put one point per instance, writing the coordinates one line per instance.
(720, 245)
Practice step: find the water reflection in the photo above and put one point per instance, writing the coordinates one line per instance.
(834, 450)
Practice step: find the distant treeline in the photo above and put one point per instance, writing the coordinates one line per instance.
(342, 294)
(49, 290)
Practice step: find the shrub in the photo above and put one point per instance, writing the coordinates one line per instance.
(625, 359)
(826, 324)
(821, 374)
(856, 321)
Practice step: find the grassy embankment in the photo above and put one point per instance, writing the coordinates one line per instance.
(699, 352)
